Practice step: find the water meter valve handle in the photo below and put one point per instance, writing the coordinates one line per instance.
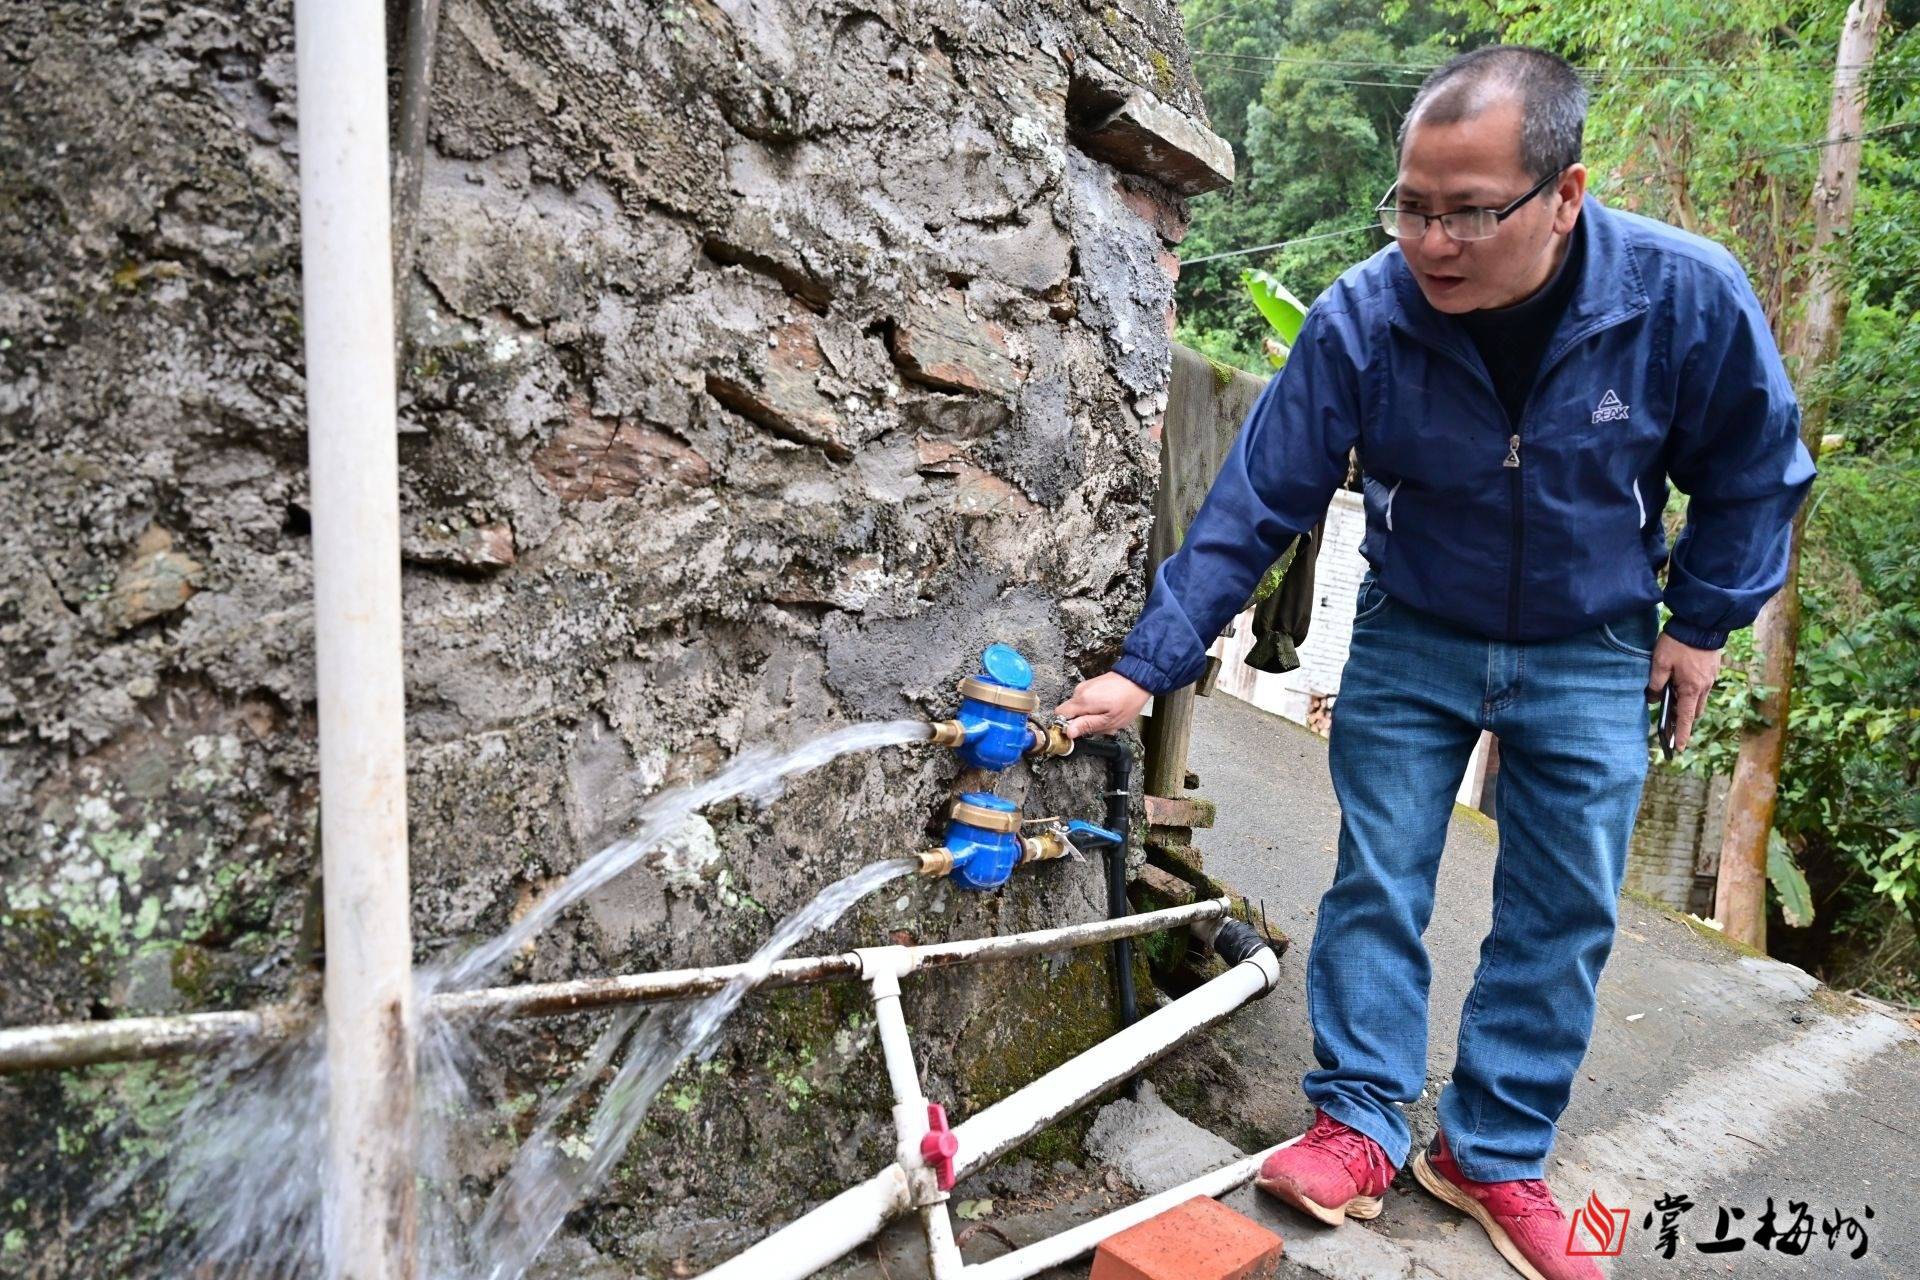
(1086, 835)
(939, 1146)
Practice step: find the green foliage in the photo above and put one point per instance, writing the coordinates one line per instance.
(1313, 127)
(1223, 346)
(1789, 882)
(1696, 105)
(1282, 310)
(1849, 794)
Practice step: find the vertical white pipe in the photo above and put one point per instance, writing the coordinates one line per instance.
(884, 966)
(943, 1252)
(347, 306)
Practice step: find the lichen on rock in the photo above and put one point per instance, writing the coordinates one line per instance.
(762, 364)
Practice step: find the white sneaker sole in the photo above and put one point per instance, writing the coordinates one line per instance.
(1333, 1215)
(1430, 1178)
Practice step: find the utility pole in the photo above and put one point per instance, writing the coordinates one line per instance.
(1740, 899)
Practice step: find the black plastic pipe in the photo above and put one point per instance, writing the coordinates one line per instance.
(1119, 818)
(1238, 941)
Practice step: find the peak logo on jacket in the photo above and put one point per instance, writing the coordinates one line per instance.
(1610, 409)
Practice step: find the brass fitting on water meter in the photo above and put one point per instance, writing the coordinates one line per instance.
(1046, 846)
(1025, 701)
(1050, 740)
(949, 733)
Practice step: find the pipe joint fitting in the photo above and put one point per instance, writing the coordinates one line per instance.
(885, 966)
(1044, 847)
(949, 733)
(1050, 741)
(1237, 941)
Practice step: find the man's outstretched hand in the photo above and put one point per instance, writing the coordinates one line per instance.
(1104, 704)
(1692, 672)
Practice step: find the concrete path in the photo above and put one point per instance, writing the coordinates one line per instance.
(1724, 1077)
(1727, 1077)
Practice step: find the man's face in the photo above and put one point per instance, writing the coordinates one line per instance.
(1476, 163)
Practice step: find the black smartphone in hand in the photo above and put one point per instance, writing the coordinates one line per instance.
(1668, 728)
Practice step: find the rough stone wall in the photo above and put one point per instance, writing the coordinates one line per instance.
(766, 360)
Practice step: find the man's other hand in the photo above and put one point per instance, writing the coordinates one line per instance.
(1692, 672)
(1104, 704)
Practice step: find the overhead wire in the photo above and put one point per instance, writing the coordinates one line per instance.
(1278, 244)
(1231, 11)
(1748, 158)
(1263, 68)
(1816, 144)
(1821, 70)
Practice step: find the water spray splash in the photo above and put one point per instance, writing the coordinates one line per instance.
(244, 1163)
(545, 1182)
(752, 772)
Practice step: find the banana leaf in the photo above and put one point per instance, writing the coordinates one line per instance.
(1283, 311)
(1789, 882)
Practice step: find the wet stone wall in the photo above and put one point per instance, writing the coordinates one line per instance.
(764, 361)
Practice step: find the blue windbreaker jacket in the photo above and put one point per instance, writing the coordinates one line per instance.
(1662, 366)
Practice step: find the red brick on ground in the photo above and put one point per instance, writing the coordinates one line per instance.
(1199, 1240)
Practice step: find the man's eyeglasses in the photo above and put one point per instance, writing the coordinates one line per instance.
(1461, 224)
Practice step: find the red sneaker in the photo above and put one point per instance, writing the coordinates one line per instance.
(1521, 1217)
(1332, 1171)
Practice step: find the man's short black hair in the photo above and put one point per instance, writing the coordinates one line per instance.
(1553, 100)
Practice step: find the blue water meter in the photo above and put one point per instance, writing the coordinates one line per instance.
(983, 836)
(994, 708)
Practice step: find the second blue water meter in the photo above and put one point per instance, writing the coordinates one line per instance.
(983, 836)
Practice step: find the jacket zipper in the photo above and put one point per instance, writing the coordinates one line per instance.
(1512, 461)
(1518, 490)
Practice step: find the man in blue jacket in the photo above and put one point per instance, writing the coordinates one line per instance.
(1521, 371)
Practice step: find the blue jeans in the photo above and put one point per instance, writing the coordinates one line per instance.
(1571, 715)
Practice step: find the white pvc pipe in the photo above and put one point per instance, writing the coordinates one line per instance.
(51, 1046)
(1057, 1250)
(1020, 1115)
(943, 1251)
(896, 1049)
(884, 967)
(825, 1235)
(347, 309)
(857, 1214)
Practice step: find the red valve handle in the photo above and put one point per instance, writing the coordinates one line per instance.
(939, 1146)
